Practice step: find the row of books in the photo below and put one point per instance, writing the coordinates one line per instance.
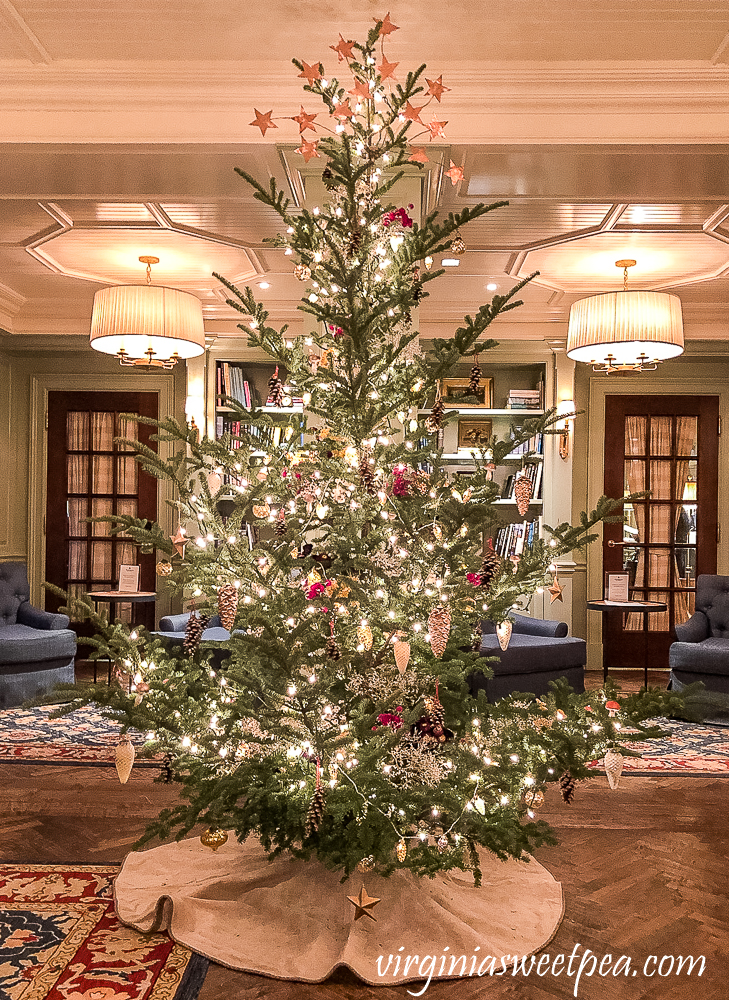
(524, 399)
(231, 383)
(512, 539)
(265, 436)
(533, 446)
(533, 471)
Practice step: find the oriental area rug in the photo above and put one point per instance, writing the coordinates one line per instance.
(60, 939)
(86, 737)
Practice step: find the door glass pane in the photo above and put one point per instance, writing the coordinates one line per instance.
(125, 556)
(77, 473)
(684, 606)
(661, 480)
(661, 436)
(77, 552)
(661, 522)
(685, 568)
(635, 431)
(101, 561)
(658, 621)
(126, 475)
(126, 429)
(687, 429)
(77, 431)
(78, 511)
(685, 533)
(102, 431)
(101, 508)
(687, 474)
(634, 475)
(102, 474)
(659, 568)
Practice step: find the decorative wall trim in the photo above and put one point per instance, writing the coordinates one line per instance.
(6, 456)
(40, 386)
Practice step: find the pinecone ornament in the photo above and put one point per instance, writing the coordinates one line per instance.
(332, 649)
(613, 767)
(439, 627)
(567, 787)
(315, 812)
(475, 379)
(196, 625)
(280, 528)
(354, 243)
(367, 475)
(401, 850)
(275, 390)
(227, 605)
(442, 844)
(503, 633)
(330, 181)
(124, 759)
(491, 565)
(523, 491)
(458, 245)
(402, 655)
(435, 420)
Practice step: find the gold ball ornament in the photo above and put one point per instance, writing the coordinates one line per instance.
(261, 510)
(364, 636)
(213, 838)
(163, 569)
(302, 272)
(366, 864)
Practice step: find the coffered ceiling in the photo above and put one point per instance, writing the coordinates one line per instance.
(602, 123)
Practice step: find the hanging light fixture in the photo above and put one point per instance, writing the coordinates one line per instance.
(149, 326)
(627, 330)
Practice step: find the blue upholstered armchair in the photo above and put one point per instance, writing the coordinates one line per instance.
(37, 649)
(539, 652)
(702, 650)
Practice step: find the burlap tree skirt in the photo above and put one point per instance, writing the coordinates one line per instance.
(292, 920)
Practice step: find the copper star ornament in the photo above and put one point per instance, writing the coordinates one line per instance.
(555, 590)
(455, 173)
(179, 541)
(387, 69)
(436, 129)
(387, 27)
(343, 110)
(263, 122)
(343, 49)
(418, 156)
(305, 121)
(411, 114)
(308, 150)
(436, 88)
(363, 904)
(361, 89)
(310, 73)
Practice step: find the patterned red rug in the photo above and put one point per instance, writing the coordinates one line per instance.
(687, 748)
(60, 940)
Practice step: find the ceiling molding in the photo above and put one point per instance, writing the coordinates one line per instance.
(11, 302)
(28, 41)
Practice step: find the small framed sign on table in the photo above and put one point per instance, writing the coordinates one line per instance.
(616, 588)
(129, 579)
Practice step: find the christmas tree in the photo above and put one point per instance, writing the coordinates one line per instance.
(336, 721)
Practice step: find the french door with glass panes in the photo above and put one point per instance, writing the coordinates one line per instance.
(667, 447)
(91, 475)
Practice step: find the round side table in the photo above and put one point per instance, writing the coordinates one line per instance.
(642, 607)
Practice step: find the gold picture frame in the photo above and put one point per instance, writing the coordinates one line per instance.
(456, 392)
(474, 432)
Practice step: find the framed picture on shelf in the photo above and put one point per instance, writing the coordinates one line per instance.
(474, 433)
(456, 392)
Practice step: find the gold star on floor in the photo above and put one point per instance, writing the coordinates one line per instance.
(455, 173)
(310, 73)
(363, 904)
(555, 590)
(263, 122)
(179, 541)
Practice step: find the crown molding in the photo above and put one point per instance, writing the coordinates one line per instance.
(11, 302)
(513, 102)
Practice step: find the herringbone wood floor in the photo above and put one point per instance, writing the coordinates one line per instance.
(644, 872)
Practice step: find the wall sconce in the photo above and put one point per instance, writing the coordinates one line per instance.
(195, 411)
(566, 407)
